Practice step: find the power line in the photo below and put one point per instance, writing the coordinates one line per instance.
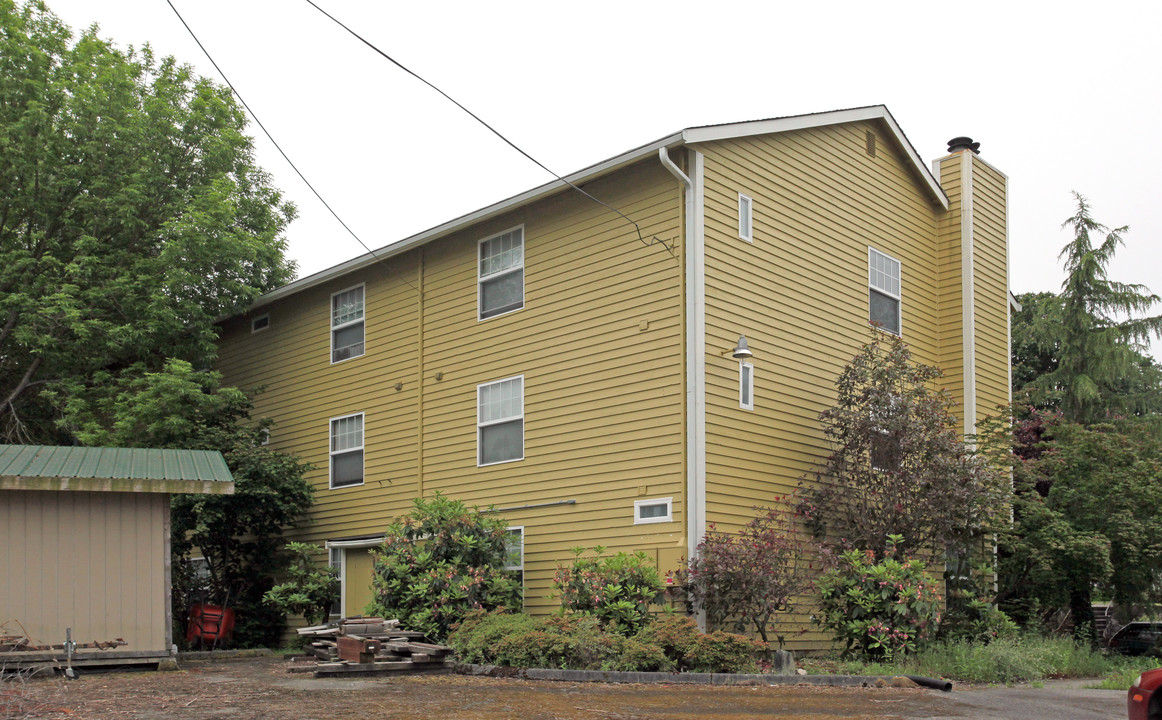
(267, 132)
(478, 119)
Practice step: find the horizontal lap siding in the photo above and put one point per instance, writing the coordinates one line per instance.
(990, 259)
(604, 399)
(800, 294)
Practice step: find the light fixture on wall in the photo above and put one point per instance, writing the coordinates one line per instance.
(741, 351)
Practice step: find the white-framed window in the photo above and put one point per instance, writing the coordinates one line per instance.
(653, 511)
(500, 421)
(514, 546)
(347, 324)
(260, 323)
(265, 437)
(501, 273)
(347, 450)
(883, 278)
(746, 386)
(745, 218)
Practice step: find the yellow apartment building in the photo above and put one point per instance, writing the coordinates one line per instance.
(542, 356)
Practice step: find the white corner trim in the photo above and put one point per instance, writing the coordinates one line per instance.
(967, 292)
(696, 354)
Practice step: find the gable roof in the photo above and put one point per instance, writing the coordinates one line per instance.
(693, 135)
(49, 467)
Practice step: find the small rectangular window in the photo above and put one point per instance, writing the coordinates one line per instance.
(347, 451)
(745, 218)
(347, 323)
(746, 386)
(653, 511)
(500, 422)
(261, 322)
(883, 273)
(501, 276)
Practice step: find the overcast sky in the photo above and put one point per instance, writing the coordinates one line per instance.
(1062, 96)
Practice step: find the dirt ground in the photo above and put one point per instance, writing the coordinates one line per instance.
(262, 689)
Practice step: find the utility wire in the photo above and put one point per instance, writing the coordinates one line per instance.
(267, 132)
(477, 118)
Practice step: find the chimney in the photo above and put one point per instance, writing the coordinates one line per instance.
(957, 144)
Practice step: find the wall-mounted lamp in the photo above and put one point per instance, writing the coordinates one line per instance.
(741, 351)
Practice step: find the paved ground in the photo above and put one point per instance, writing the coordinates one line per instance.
(261, 689)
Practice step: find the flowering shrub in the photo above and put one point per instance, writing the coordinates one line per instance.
(616, 589)
(879, 609)
(744, 580)
(440, 562)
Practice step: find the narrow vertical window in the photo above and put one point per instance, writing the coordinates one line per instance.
(347, 321)
(745, 218)
(501, 276)
(883, 272)
(500, 421)
(335, 560)
(347, 451)
(514, 546)
(746, 386)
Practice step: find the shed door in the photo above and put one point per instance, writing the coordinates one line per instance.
(356, 580)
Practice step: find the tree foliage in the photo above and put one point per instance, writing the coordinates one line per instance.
(438, 563)
(239, 535)
(897, 466)
(1093, 336)
(746, 579)
(309, 590)
(131, 216)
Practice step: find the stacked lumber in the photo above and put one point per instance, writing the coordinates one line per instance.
(369, 645)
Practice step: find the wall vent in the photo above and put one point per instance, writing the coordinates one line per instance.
(871, 143)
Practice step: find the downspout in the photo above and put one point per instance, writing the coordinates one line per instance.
(695, 297)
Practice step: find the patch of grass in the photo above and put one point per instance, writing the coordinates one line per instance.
(1121, 678)
(1028, 658)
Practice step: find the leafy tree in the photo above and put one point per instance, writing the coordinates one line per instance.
(239, 535)
(897, 466)
(438, 563)
(746, 579)
(1099, 339)
(131, 216)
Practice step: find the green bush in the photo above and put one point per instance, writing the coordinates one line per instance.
(723, 652)
(310, 590)
(616, 589)
(440, 562)
(880, 609)
(968, 614)
(580, 643)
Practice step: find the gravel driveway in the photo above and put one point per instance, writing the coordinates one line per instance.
(261, 689)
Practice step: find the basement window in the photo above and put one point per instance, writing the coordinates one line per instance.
(653, 511)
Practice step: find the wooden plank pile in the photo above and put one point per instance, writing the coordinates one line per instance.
(370, 645)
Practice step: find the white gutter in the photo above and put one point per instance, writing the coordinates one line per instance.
(695, 349)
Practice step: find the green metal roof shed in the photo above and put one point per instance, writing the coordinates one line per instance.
(85, 534)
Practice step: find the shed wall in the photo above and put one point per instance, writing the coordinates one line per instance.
(93, 562)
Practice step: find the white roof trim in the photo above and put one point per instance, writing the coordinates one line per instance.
(690, 135)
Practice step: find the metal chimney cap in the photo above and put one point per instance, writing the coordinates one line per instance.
(957, 144)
